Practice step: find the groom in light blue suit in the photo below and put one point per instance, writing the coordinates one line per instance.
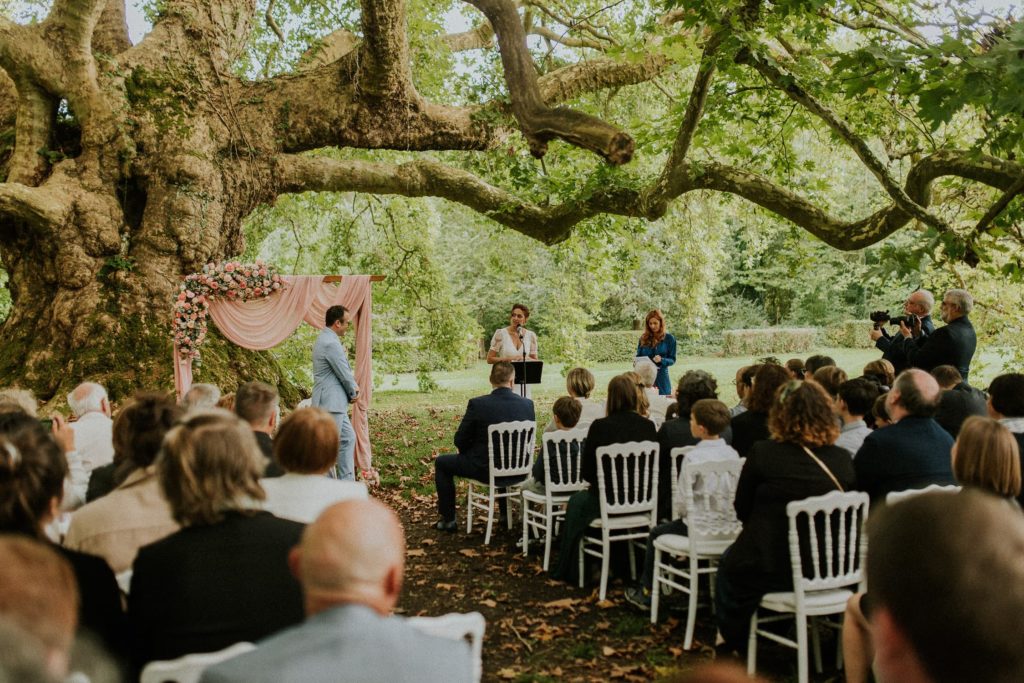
(334, 385)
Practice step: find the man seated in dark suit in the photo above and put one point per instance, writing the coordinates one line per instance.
(959, 399)
(350, 564)
(258, 404)
(914, 451)
(501, 405)
(1006, 404)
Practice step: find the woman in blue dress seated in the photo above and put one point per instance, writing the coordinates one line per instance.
(660, 347)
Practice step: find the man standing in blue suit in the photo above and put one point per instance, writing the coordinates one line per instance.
(501, 405)
(334, 385)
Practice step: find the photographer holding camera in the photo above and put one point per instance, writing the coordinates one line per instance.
(918, 320)
(953, 344)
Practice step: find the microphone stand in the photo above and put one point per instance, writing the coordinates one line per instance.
(522, 345)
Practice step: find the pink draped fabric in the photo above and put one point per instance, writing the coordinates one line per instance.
(264, 323)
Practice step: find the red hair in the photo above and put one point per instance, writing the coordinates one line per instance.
(650, 340)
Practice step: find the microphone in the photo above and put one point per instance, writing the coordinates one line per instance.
(519, 329)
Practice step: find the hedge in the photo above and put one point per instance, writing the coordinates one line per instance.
(776, 340)
(610, 347)
(849, 334)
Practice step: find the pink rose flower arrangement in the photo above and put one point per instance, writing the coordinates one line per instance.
(236, 281)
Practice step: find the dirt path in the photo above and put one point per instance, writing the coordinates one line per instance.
(538, 629)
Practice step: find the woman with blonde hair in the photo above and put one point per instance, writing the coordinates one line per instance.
(799, 461)
(624, 423)
(986, 456)
(579, 382)
(224, 577)
(660, 346)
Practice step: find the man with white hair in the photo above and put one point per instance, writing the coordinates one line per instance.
(201, 397)
(93, 444)
(350, 564)
(953, 344)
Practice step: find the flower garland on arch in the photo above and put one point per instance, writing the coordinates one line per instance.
(234, 280)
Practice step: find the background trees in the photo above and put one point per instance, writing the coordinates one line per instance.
(699, 133)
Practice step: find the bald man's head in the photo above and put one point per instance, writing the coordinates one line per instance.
(916, 393)
(353, 553)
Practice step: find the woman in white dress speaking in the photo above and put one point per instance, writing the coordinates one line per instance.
(508, 343)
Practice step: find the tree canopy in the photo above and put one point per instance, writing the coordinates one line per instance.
(124, 167)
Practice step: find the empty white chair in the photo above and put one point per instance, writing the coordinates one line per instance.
(561, 451)
(897, 496)
(711, 528)
(509, 459)
(831, 527)
(189, 668)
(628, 499)
(469, 626)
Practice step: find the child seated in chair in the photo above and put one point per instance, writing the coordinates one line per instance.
(708, 419)
(566, 415)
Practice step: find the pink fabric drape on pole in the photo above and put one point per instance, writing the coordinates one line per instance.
(264, 323)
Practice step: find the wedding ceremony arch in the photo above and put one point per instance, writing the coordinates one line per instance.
(257, 309)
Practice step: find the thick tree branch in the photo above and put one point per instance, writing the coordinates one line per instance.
(384, 65)
(32, 134)
(985, 224)
(478, 38)
(36, 206)
(553, 223)
(593, 75)
(788, 84)
(110, 37)
(674, 173)
(538, 122)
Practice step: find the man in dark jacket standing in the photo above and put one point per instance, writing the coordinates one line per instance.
(953, 344)
(501, 405)
(919, 304)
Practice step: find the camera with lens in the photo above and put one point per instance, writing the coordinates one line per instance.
(880, 318)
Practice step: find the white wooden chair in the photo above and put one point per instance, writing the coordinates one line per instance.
(831, 526)
(676, 456)
(561, 451)
(509, 459)
(189, 668)
(628, 500)
(458, 626)
(711, 528)
(897, 496)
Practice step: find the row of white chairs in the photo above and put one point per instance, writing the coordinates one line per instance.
(831, 526)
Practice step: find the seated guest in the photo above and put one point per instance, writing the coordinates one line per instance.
(201, 397)
(1006, 404)
(258, 404)
(39, 596)
(744, 383)
(694, 386)
(881, 371)
(830, 377)
(709, 418)
(306, 448)
(795, 368)
(879, 413)
(657, 404)
(798, 462)
(946, 574)
(501, 405)
(752, 425)
(579, 383)
(815, 363)
(93, 444)
(350, 565)
(136, 512)
(986, 456)
(17, 400)
(913, 452)
(565, 415)
(856, 396)
(223, 578)
(959, 400)
(623, 424)
(32, 473)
